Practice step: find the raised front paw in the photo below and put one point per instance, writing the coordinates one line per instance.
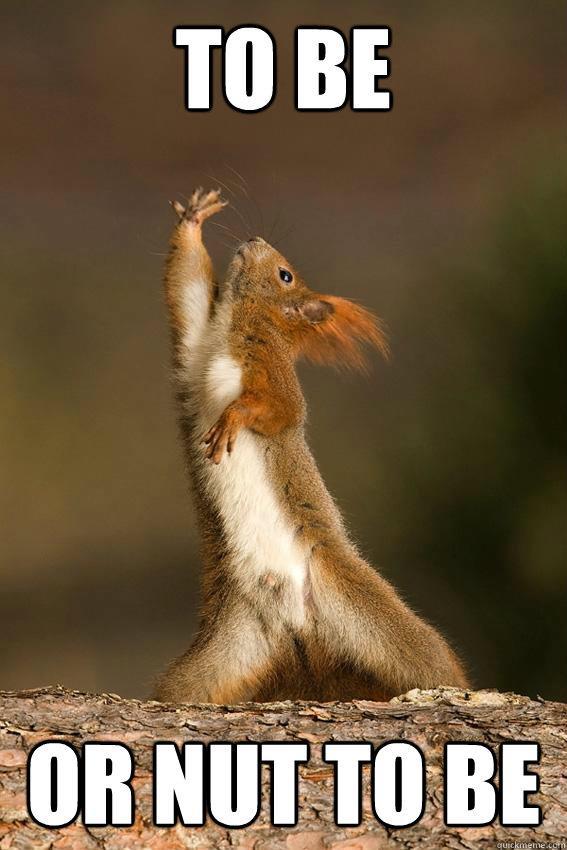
(202, 205)
(222, 436)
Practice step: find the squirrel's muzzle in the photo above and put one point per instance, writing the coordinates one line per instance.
(252, 247)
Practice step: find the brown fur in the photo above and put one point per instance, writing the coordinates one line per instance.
(357, 638)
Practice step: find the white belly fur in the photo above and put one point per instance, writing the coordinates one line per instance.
(260, 538)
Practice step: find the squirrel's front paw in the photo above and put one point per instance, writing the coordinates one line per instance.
(201, 206)
(222, 435)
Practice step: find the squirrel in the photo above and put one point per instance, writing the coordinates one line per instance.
(290, 608)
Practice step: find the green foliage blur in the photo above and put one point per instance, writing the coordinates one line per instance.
(484, 470)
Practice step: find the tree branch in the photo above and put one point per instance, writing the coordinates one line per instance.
(427, 718)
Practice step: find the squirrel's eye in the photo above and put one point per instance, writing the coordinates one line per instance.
(286, 276)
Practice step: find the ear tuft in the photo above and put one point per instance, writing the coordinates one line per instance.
(339, 332)
(316, 311)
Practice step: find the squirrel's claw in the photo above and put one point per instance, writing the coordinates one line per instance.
(220, 438)
(178, 209)
(201, 206)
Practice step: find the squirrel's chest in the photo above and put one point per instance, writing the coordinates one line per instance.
(260, 539)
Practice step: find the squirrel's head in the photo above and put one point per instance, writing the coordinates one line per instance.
(322, 328)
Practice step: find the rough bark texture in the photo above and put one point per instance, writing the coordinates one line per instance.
(428, 718)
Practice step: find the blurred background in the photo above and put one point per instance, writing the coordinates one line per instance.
(446, 216)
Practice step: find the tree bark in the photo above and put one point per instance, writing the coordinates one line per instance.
(427, 718)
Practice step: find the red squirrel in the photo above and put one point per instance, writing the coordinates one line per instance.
(290, 608)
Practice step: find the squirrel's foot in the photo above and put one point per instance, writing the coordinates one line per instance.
(201, 206)
(222, 435)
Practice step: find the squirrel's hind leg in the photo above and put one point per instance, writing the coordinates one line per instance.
(361, 618)
(226, 665)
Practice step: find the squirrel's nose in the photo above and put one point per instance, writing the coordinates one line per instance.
(258, 239)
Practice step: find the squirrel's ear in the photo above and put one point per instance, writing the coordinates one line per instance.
(316, 310)
(337, 332)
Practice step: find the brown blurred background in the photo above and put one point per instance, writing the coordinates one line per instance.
(447, 216)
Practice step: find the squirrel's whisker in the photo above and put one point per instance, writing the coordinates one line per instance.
(250, 197)
(274, 228)
(229, 232)
(245, 221)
